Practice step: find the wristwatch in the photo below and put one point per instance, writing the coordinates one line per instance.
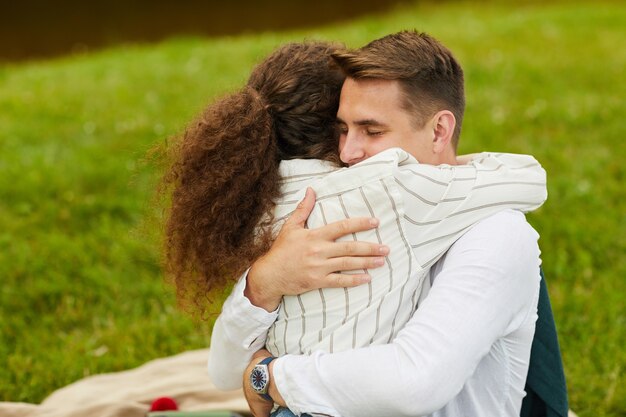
(260, 378)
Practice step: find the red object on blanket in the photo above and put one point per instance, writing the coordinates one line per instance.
(163, 404)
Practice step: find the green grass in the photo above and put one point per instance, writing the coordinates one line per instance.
(82, 291)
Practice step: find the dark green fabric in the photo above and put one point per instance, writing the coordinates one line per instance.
(546, 392)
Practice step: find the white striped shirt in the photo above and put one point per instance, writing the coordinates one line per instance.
(422, 209)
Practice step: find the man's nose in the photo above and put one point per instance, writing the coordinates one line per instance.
(352, 151)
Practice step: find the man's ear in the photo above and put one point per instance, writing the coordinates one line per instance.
(443, 124)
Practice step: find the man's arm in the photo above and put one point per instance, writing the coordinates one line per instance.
(303, 259)
(248, 312)
(239, 332)
(481, 294)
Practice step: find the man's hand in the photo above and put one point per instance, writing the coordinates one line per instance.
(303, 259)
(259, 406)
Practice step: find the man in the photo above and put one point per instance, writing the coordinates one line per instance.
(465, 351)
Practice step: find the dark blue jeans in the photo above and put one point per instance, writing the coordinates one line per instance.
(285, 412)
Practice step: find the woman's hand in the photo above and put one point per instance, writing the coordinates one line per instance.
(303, 259)
(466, 159)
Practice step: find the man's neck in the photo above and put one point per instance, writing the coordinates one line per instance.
(448, 157)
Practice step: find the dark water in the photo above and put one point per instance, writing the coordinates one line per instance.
(40, 29)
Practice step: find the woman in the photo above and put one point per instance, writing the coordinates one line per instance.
(225, 175)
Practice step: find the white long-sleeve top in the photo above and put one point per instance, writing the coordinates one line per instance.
(464, 353)
(443, 207)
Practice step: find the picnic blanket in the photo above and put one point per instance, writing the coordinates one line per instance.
(130, 393)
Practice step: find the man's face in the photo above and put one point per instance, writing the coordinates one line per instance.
(371, 119)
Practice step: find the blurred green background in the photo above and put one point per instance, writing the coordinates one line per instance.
(82, 291)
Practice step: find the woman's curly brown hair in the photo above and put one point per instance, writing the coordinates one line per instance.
(224, 178)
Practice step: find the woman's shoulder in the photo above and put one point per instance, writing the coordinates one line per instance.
(291, 170)
(391, 157)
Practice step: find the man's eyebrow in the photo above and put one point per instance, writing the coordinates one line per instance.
(364, 122)
(369, 122)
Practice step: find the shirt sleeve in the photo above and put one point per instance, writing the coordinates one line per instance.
(483, 291)
(239, 332)
(443, 202)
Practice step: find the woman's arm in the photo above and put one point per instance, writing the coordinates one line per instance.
(443, 202)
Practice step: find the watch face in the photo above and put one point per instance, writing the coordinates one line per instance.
(258, 379)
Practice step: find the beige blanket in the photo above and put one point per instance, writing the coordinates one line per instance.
(129, 393)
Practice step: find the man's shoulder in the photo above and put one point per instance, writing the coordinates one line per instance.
(501, 252)
(503, 241)
(504, 225)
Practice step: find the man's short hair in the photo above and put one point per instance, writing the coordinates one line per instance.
(429, 76)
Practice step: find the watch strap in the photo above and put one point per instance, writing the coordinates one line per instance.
(267, 360)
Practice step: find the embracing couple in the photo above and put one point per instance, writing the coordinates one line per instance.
(379, 274)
